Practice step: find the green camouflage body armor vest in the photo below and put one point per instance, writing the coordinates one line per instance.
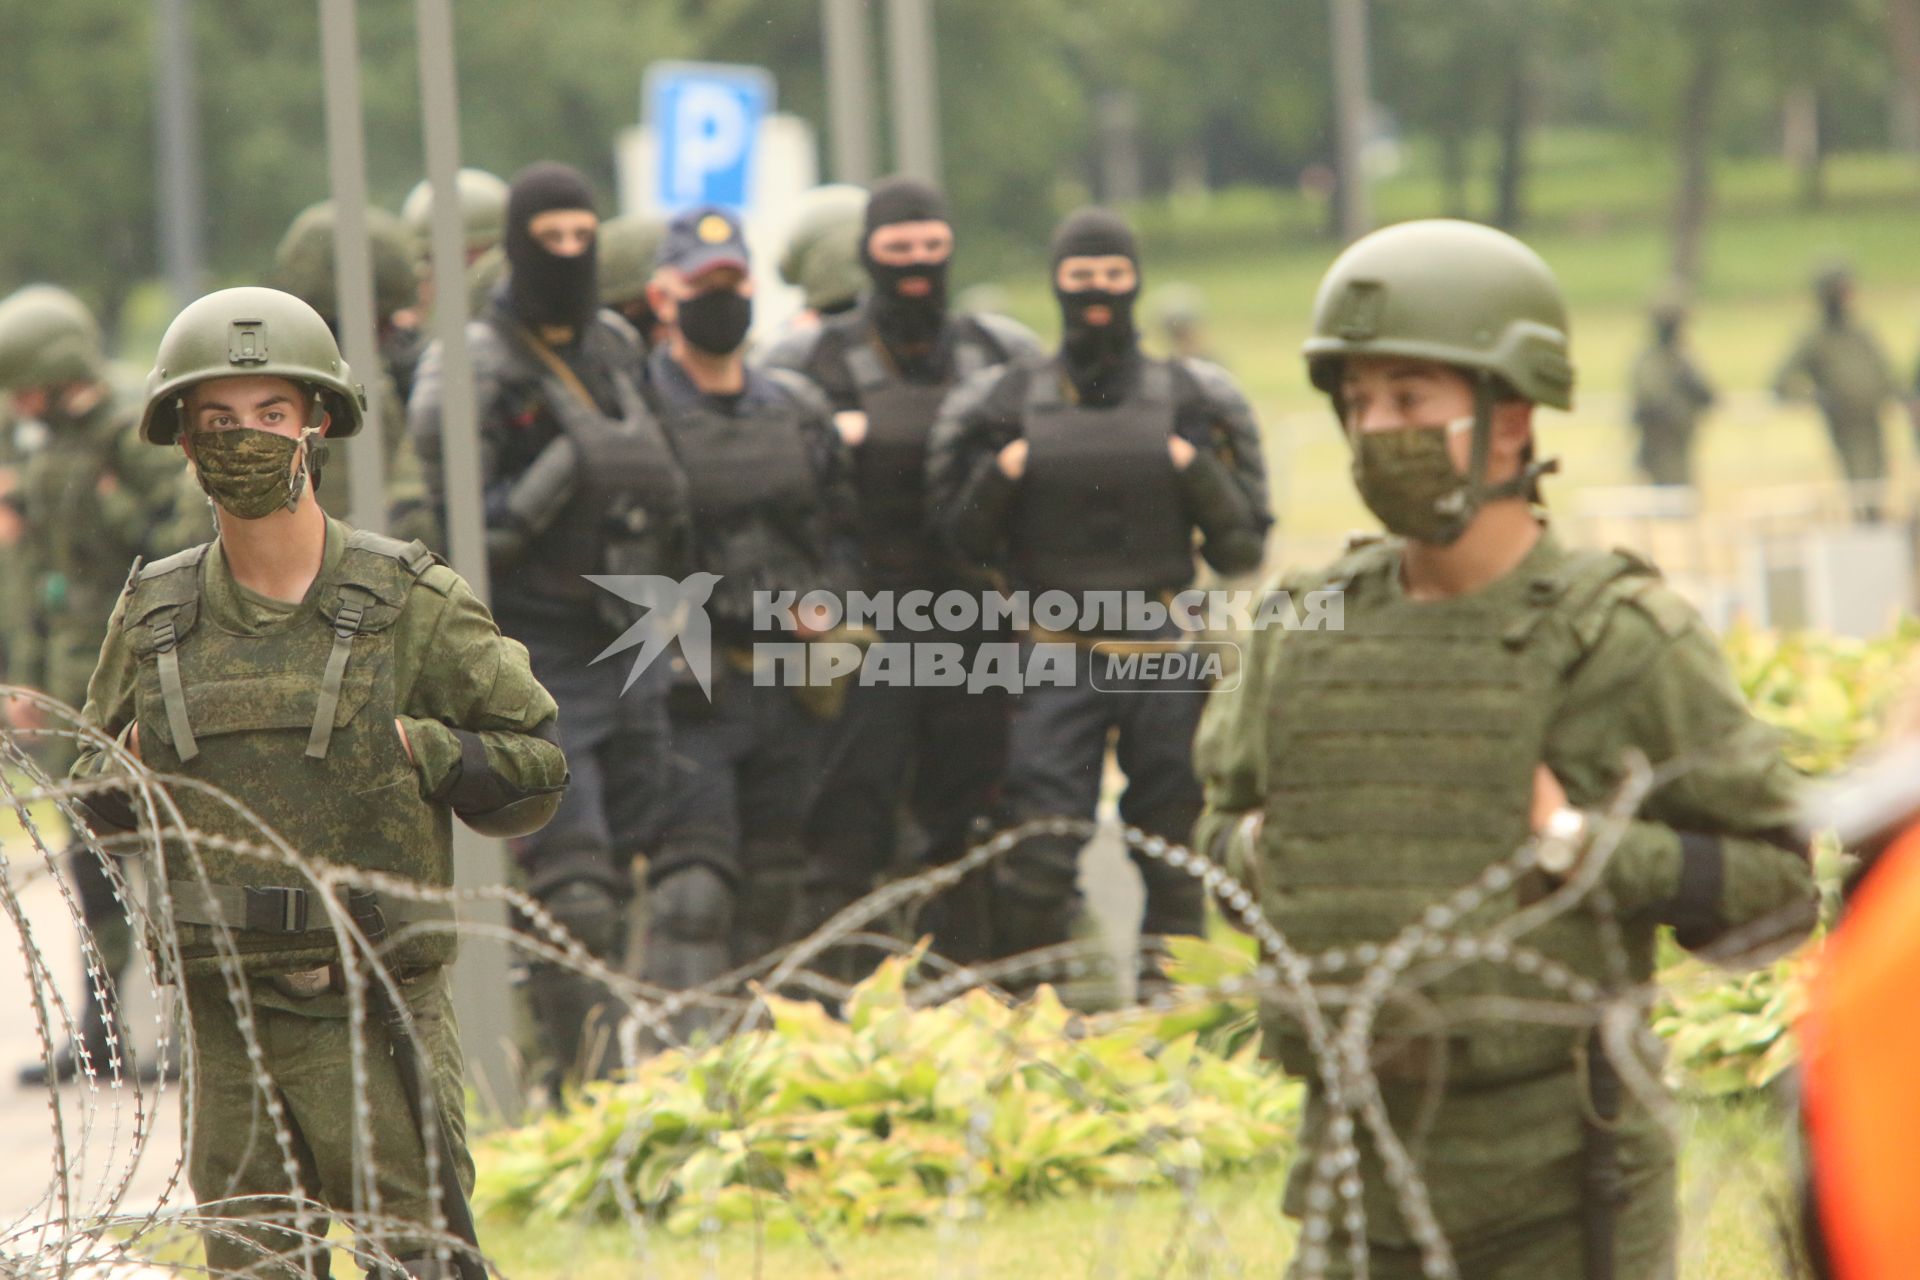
(1400, 765)
(297, 725)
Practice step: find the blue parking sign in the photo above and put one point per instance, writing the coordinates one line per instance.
(705, 117)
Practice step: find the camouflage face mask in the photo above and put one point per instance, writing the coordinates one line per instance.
(1407, 479)
(250, 473)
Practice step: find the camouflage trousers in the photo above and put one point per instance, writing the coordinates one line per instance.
(1550, 1249)
(1504, 1172)
(237, 1163)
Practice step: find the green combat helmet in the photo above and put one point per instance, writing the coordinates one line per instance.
(1461, 294)
(245, 332)
(303, 265)
(822, 257)
(483, 210)
(626, 248)
(48, 338)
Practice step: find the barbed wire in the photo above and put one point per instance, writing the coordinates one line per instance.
(82, 1224)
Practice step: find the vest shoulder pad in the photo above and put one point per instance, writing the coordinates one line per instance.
(1213, 381)
(621, 329)
(1589, 586)
(164, 592)
(440, 578)
(795, 349)
(169, 581)
(1367, 554)
(1013, 340)
(800, 389)
(414, 555)
(381, 570)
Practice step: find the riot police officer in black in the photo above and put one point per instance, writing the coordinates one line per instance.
(937, 753)
(578, 479)
(1092, 472)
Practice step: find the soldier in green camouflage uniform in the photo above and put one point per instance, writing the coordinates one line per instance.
(483, 219)
(1485, 690)
(89, 496)
(627, 246)
(303, 266)
(352, 692)
(1669, 395)
(1843, 367)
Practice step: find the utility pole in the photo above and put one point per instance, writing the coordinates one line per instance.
(1352, 105)
(916, 90)
(846, 31)
(353, 254)
(183, 242)
(480, 983)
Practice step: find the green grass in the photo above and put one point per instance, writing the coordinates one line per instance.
(1732, 1180)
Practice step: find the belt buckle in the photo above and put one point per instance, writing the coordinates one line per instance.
(305, 984)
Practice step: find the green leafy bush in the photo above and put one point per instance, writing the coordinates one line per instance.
(893, 1114)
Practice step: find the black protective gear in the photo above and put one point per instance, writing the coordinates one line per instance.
(546, 288)
(576, 1012)
(691, 914)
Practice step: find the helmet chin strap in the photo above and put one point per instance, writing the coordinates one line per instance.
(312, 456)
(1465, 501)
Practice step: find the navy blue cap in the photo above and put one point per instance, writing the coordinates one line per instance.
(702, 238)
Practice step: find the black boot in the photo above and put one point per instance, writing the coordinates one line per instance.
(95, 1033)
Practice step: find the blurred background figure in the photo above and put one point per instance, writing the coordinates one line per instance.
(87, 502)
(1670, 393)
(823, 261)
(1178, 315)
(483, 214)
(627, 248)
(303, 265)
(1841, 366)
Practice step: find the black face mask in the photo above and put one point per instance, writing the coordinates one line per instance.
(909, 321)
(1097, 349)
(547, 289)
(716, 321)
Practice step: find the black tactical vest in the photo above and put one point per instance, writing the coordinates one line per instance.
(1400, 761)
(629, 511)
(298, 726)
(1100, 508)
(890, 464)
(752, 492)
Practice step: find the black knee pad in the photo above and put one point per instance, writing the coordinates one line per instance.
(693, 903)
(592, 912)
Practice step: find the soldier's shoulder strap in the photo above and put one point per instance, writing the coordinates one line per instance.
(1585, 590)
(1367, 555)
(1213, 380)
(798, 388)
(386, 567)
(370, 589)
(171, 582)
(163, 603)
(1009, 339)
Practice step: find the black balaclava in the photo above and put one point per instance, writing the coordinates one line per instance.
(905, 323)
(1098, 357)
(545, 289)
